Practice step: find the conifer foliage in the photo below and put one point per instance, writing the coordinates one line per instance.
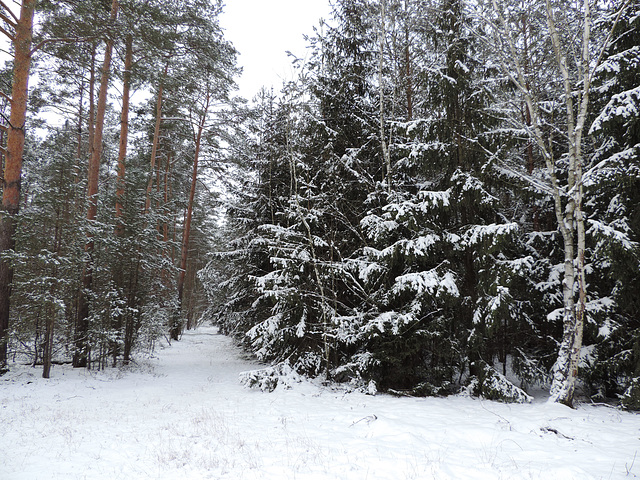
(431, 210)
(445, 200)
(95, 257)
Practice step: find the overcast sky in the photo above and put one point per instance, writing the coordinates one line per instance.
(263, 30)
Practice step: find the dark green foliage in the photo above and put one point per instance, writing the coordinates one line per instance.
(614, 208)
(488, 383)
(433, 274)
(631, 398)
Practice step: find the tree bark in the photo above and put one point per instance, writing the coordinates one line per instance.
(383, 142)
(82, 346)
(47, 354)
(176, 328)
(124, 134)
(407, 67)
(156, 138)
(22, 41)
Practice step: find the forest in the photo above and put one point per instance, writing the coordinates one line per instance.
(445, 199)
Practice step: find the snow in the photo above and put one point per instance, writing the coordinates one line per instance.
(478, 233)
(185, 414)
(430, 282)
(624, 105)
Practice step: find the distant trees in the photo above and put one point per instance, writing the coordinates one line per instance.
(96, 271)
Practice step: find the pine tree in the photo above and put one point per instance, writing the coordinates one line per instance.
(20, 32)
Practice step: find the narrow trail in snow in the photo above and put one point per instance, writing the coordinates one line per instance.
(203, 356)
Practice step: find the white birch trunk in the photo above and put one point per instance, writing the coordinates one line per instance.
(568, 199)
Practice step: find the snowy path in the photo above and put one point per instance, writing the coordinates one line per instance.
(184, 415)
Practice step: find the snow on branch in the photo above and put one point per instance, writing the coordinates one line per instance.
(625, 105)
(481, 233)
(598, 228)
(429, 282)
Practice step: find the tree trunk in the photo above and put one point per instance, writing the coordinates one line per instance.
(156, 138)
(124, 135)
(92, 97)
(407, 60)
(50, 318)
(176, 328)
(566, 368)
(81, 353)
(119, 268)
(383, 141)
(13, 161)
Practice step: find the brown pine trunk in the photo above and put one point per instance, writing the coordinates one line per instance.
(156, 138)
(118, 269)
(158, 186)
(165, 226)
(13, 161)
(80, 114)
(176, 328)
(124, 134)
(81, 353)
(92, 97)
(166, 280)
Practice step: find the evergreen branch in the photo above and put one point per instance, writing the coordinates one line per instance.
(61, 40)
(607, 41)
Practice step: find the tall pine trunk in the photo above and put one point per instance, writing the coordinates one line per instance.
(120, 194)
(176, 327)
(82, 344)
(124, 135)
(22, 41)
(156, 137)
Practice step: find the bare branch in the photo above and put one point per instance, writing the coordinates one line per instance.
(7, 20)
(15, 19)
(6, 97)
(7, 34)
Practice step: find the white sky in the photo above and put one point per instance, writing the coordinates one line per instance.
(262, 31)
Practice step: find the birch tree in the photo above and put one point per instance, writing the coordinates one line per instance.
(574, 54)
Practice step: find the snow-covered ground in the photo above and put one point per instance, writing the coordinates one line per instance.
(184, 415)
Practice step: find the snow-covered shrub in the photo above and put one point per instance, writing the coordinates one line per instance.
(631, 398)
(492, 385)
(267, 379)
